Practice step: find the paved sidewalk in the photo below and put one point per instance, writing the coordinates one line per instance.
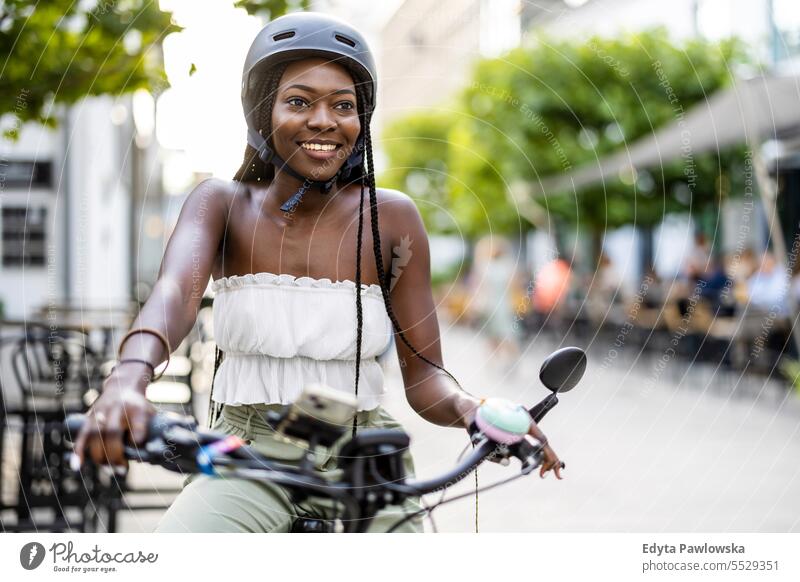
(691, 452)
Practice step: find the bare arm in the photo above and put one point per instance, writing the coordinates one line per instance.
(430, 391)
(185, 270)
(171, 309)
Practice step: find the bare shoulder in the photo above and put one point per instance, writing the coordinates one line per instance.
(220, 191)
(401, 213)
(209, 203)
(394, 198)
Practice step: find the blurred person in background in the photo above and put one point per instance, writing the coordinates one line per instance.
(767, 287)
(551, 290)
(604, 290)
(552, 286)
(714, 282)
(696, 298)
(739, 268)
(698, 258)
(794, 286)
(496, 288)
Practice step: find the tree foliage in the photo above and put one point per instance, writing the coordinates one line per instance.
(272, 8)
(61, 51)
(551, 107)
(418, 147)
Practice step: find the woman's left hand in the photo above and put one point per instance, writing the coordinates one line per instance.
(550, 460)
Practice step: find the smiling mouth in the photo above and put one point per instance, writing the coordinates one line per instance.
(320, 147)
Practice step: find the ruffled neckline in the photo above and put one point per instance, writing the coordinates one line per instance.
(286, 280)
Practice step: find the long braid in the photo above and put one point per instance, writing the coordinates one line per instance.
(359, 312)
(359, 240)
(369, 176)
(214, 408)
(376, 242)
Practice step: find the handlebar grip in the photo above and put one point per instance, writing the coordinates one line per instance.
(159, 423)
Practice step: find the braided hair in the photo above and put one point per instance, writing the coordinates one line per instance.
(254, 170)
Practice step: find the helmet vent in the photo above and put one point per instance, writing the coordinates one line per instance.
(344, 40)
(283, 35)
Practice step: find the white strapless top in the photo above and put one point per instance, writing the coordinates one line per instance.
(281, 332)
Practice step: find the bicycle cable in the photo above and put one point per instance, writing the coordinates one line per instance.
(456, 498)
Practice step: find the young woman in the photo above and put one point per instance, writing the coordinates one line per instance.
(284, 243)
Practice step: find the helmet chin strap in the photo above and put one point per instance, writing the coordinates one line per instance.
(270, 156)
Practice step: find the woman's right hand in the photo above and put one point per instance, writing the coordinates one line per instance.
(121, 409)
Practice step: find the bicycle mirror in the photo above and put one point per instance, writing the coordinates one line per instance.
(563, 369)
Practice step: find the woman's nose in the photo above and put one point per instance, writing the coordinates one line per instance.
(320, 118)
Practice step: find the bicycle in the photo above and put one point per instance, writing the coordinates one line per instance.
(373, 474)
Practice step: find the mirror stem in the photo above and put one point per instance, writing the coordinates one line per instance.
(538, 411)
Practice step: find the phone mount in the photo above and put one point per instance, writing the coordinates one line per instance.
(320, 416)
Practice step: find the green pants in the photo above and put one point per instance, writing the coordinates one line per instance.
(234, 504)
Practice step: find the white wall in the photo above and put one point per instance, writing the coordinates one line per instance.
(97, 211)
(612, 17)
(715, 18)
(21, 287)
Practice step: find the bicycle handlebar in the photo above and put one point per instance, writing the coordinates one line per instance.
(170, 430)
(177, 444)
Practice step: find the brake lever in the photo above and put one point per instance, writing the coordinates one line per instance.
(530, 455)
(501, 452)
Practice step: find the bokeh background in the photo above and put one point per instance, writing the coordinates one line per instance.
(620, 175)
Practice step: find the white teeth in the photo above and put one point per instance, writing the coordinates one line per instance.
(319, 147)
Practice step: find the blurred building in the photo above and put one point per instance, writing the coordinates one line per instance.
(429, 46)
(771, 26)
(76, 206)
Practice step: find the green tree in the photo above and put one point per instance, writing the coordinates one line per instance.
(429, 153)
(549, 109)
(61, 51)
(418, 147)
(272, 8)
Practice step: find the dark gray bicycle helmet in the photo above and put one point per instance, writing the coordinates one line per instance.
(292, 37)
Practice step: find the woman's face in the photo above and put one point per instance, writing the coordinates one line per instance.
(315, 122)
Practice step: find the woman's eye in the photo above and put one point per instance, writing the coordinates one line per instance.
(346, 105)
(296, 102)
